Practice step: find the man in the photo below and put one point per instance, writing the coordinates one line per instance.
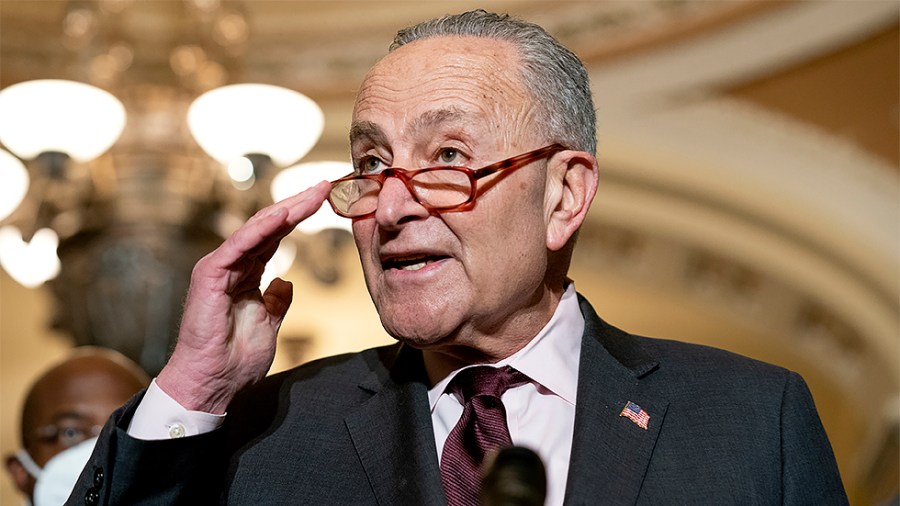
(460, 278)
(65, 407)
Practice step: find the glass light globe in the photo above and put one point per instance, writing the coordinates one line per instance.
(241, 119)
(30, 263)
(280, 263)
(13, 183)
(54, 115)
(294, 180)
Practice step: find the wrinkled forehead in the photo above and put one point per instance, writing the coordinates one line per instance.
(444, 76)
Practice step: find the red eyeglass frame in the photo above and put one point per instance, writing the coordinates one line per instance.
(406, 176)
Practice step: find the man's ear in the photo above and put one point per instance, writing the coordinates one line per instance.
(24, 482)
(572, 179)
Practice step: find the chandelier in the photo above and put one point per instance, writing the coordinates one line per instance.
(111, 195)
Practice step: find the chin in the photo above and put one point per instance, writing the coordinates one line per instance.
(413, 332)
(418, 325)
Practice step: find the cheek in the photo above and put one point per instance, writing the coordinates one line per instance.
(362, 236)
(507, 233)
(363, 231)
(44, 452)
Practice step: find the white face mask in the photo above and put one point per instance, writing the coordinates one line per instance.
(57, 479)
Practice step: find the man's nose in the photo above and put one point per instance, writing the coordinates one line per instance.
(396, 204)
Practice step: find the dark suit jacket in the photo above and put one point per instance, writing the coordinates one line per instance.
(356, 430)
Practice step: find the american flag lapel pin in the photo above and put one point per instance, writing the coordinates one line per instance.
(636, 414)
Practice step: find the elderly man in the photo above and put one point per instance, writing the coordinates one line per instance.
(473, 144)
(62, 414)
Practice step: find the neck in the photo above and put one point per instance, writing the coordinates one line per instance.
(488, 347)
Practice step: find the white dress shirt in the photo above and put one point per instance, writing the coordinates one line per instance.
(540, 414)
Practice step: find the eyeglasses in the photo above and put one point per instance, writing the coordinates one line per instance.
(438, 189)
(67, 433)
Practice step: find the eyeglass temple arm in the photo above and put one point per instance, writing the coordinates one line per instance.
(517, 161)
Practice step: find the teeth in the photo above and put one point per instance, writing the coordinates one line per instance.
(411, 264)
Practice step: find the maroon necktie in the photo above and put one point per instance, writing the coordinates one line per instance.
(481, 429)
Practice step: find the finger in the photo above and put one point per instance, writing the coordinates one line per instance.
(278, 297)
(273, 225)
(306, 203)
(300, 207)
(262, 232)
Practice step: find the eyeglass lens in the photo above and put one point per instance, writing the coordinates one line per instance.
(68, 433)
(434, 188)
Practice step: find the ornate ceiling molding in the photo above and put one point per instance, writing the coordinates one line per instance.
(780, 200)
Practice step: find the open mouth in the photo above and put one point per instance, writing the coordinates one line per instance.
(413, 263)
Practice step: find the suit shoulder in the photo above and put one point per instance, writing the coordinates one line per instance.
(667, 357)
(332, 371)
(700, 356)
(332, 382)
(691, 369)
(679, 360)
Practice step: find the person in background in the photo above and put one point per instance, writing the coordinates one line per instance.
(61, 417)
(473, 143)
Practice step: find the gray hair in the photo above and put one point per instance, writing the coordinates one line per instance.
(553, 74)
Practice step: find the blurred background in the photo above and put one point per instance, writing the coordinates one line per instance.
(750, 177)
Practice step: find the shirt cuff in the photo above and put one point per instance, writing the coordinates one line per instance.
(159, 416)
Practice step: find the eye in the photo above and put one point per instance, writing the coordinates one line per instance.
(69, 436)
(369, 164)
(448, 155)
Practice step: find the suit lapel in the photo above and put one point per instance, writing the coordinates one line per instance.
(393, 434)
(394, 437)
(611, 453)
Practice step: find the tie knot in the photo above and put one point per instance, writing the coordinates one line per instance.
(486, 381)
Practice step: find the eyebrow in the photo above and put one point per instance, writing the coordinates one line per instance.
(366, 130)
(68, 415)
(428, 119)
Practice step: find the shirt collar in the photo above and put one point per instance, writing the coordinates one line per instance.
(550, 359)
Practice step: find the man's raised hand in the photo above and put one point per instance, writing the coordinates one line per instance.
(228, 330)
